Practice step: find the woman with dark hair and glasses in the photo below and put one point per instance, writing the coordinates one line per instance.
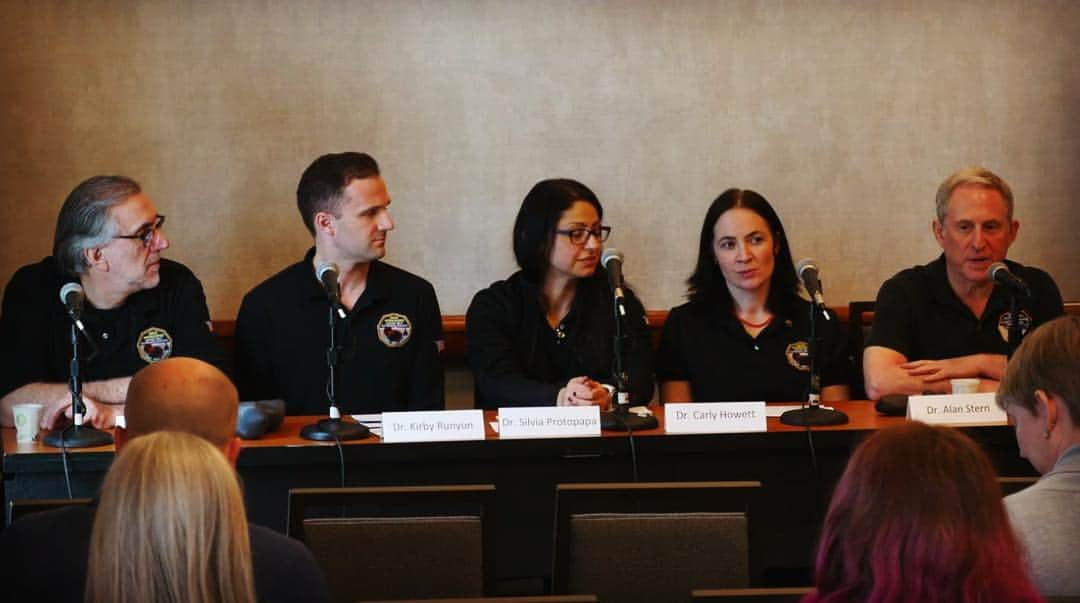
(545, 336)
(744, 334)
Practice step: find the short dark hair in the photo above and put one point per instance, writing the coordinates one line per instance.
(83, 222)
(323, 182)
(534, 228)
(706, 284)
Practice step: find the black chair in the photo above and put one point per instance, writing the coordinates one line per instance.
(751, 595)
(380, 541)
(21, 508)
(860, 319)
(651, 541)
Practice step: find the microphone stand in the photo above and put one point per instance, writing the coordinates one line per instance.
(813, 414)
(620, 419)
(1015, 334)
(76, 435)
(333, 428)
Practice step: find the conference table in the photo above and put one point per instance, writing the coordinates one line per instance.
(785, 520)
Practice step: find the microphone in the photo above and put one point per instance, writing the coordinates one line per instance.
(612, 261)
(1001, 275)
(72, 296)
(327, 273)
(808, 273)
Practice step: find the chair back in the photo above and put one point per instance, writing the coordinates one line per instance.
(412, 542)
(860, 319)
(21, 508)
(751, 595)
(651, 541)
(525, 599)
(1012, 485)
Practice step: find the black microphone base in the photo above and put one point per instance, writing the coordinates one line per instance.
(334, 429)
(82, 436)
(614, 420)
(813, 416)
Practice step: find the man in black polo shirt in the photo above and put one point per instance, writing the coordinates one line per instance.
(390, 339)
(948, 319)
(140, 308)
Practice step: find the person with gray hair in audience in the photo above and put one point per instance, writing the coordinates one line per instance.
(43, 556)
(140, 308)
(1041, 394)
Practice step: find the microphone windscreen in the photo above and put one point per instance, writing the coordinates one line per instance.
(610, 253)
(994, 268)
(324, 268)
(804, 264)
(69, 289)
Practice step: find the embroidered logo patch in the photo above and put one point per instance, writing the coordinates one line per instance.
(1005, 321)
(394, 329)
(798, 355)
(154, 344)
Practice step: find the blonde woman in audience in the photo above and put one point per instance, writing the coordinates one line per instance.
(170, 526)
(1041, 393)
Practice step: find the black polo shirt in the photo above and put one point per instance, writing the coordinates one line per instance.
(919, 315)
(710, 348)
(517, 359)
(153, 324)
(389, 359)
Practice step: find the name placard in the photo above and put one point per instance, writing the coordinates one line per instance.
(549, 422)
(433, 426)
(956, 409)
(714, 417)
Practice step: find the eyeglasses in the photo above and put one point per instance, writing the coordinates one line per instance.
(146, 234)
(580, 236)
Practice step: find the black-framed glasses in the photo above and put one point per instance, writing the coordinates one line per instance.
(147, 233)
(580, 236)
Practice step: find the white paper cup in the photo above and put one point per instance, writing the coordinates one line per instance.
(964, 386)
(27, 421)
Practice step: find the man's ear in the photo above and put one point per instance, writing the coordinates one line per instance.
(232, 450)
(95, 258)
(324, 223)
(938, 234)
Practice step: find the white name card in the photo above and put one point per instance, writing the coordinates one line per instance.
(549, 422)
(433, 426)
(714, 417)
(956, 409)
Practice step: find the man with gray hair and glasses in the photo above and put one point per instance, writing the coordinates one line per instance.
(139, 308)
(950, 319)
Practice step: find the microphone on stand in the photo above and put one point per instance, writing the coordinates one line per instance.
(808, 273)
(328, 275)
(813, 413)
(76, 435)
(620, 418)
(332, 428)
(1000, 274)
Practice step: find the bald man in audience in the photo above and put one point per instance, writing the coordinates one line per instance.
(43, 556)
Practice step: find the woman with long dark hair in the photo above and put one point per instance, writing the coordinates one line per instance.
(744, 333)
(545, 336)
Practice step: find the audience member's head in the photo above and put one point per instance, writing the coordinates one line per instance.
(917, 516)
(1041, 392)
(182, 394)
(170, 526)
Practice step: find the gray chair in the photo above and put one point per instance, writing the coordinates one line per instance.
(536, 599)
(751, 595)
(412, 542)
(631, 542)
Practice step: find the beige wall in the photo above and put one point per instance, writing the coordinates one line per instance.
(845, 114)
